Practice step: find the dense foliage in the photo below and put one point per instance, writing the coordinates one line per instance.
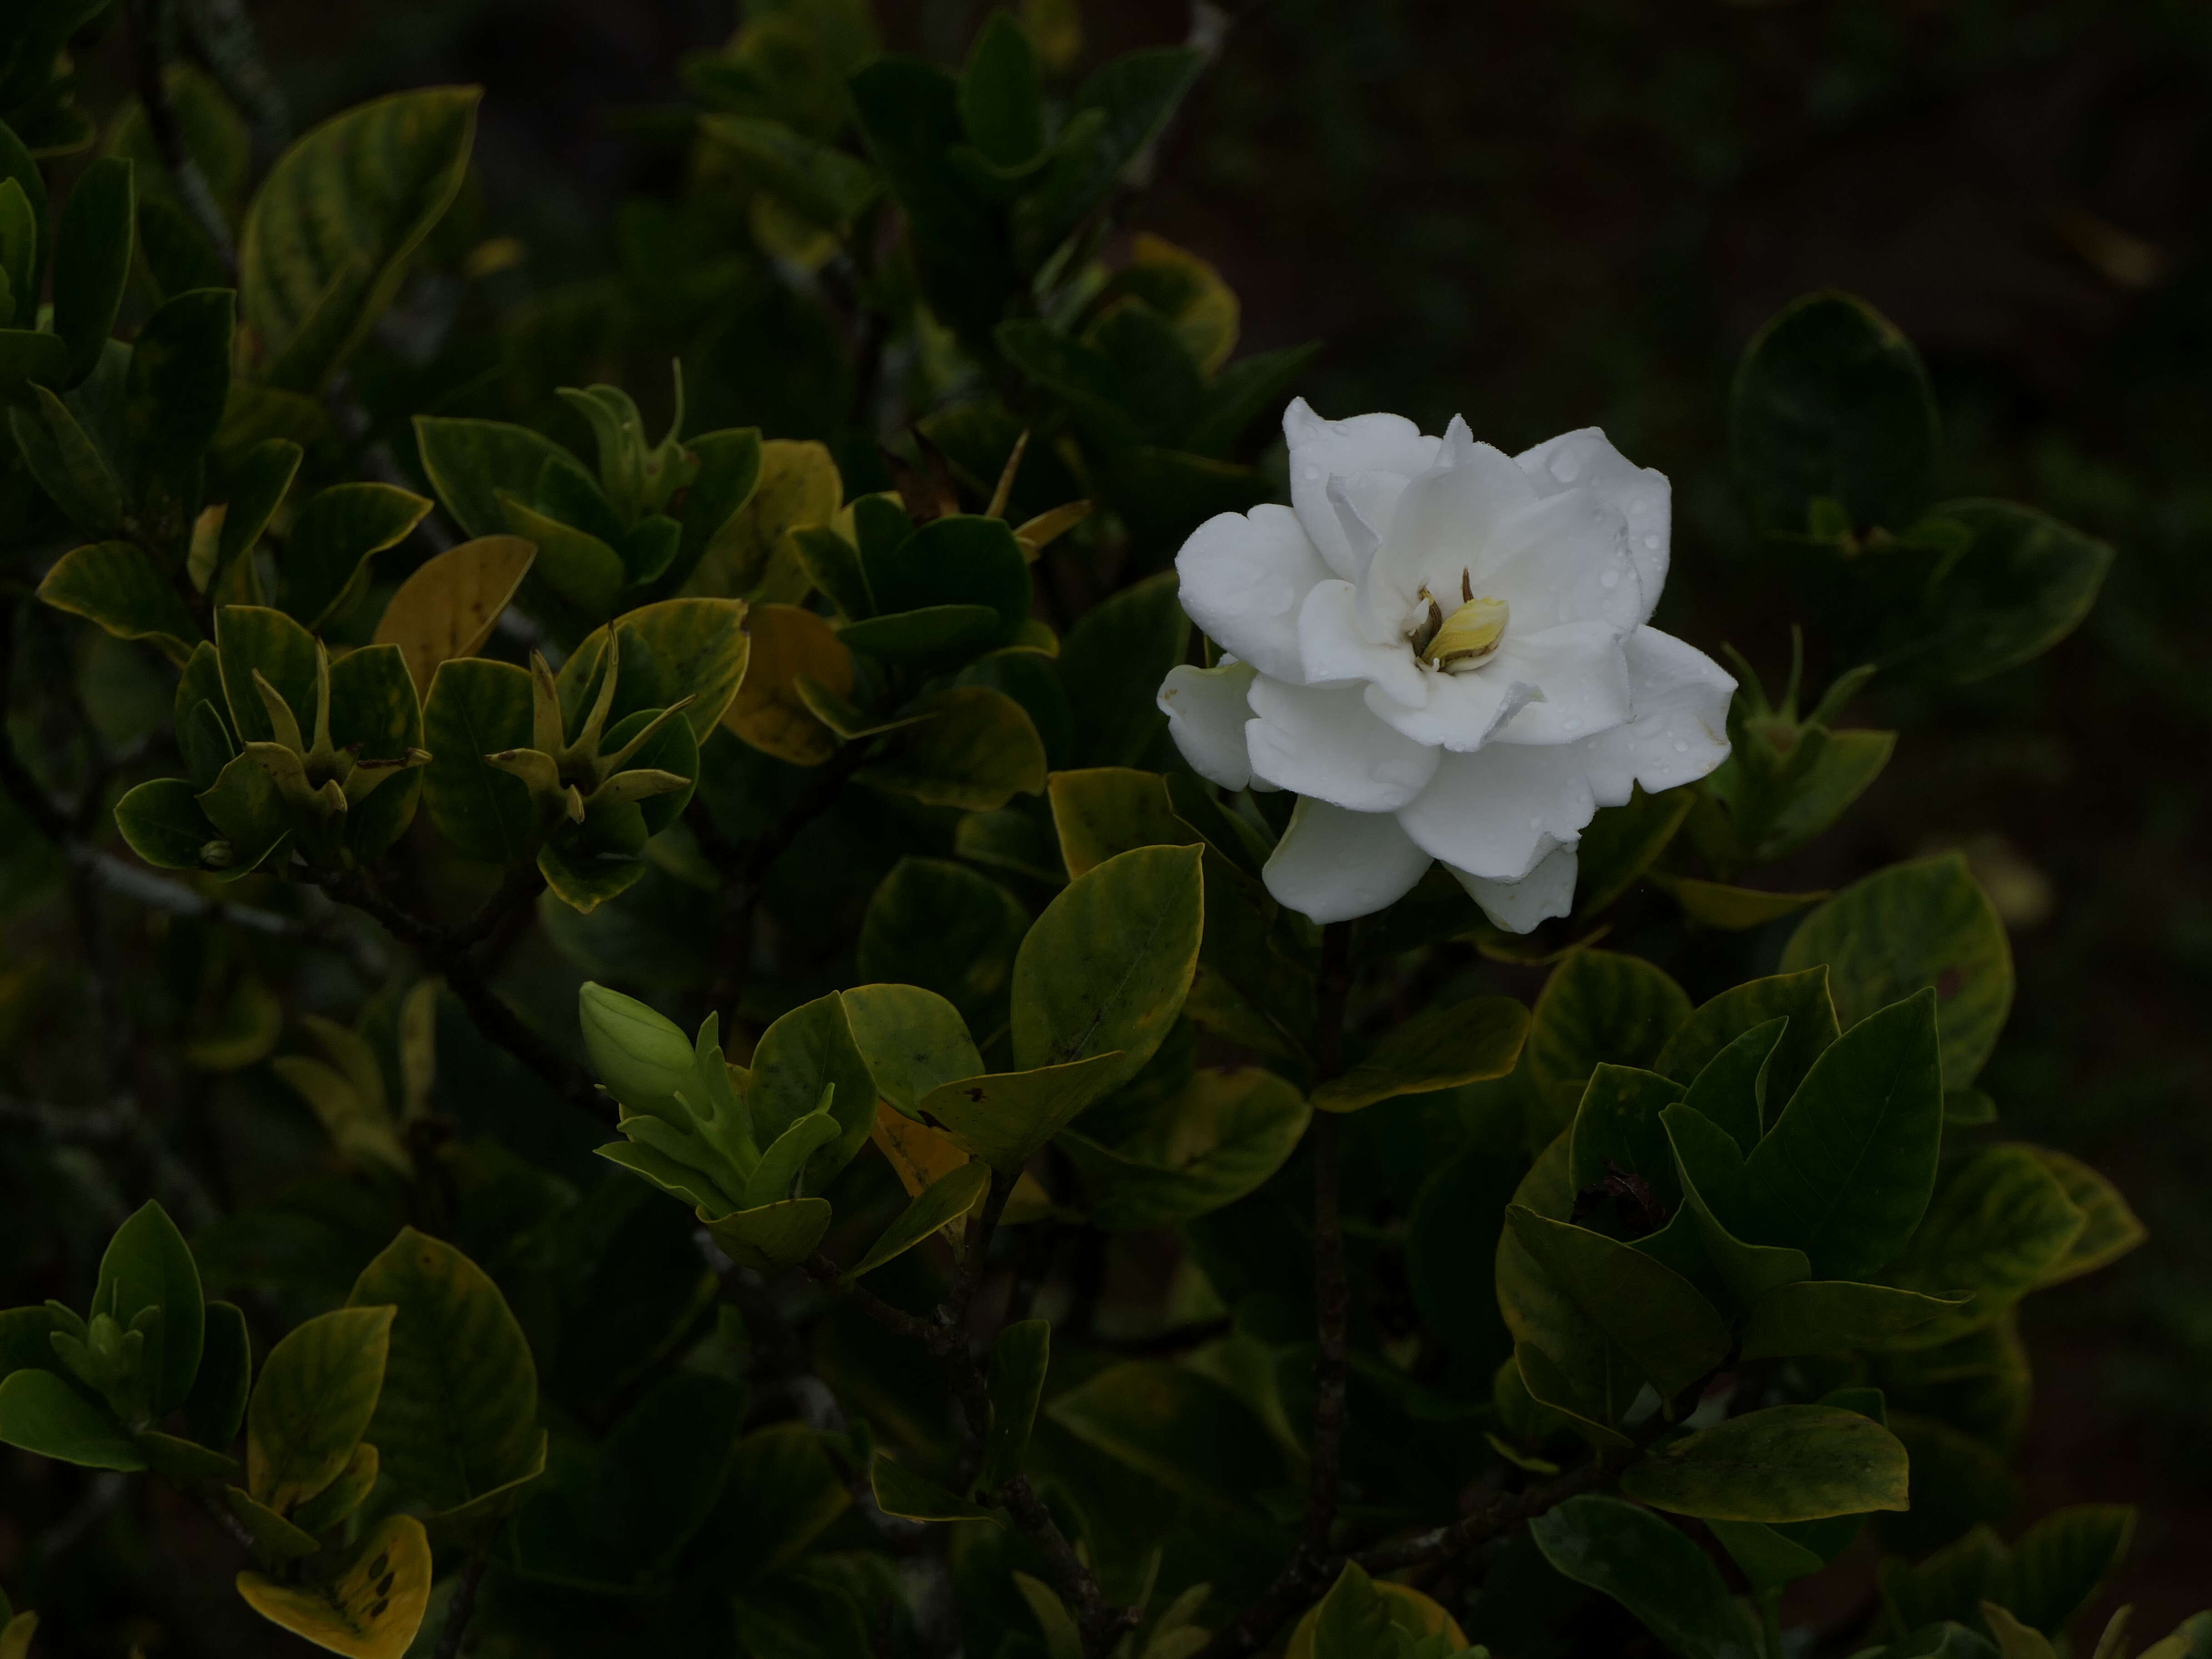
(428, 788)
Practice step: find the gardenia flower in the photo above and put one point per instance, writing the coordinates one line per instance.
(1443, 651)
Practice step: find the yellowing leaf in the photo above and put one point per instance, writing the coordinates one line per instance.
(372, 1610)
(798, 486)
(768, 711)
(449, 607)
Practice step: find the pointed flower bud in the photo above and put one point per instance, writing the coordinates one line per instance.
(643, 1058)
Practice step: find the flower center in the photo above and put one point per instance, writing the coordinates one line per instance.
(1464, 640)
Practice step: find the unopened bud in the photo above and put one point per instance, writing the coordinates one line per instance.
(640, 1057)
(217, 855)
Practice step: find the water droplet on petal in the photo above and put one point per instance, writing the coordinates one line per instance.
(1535, 823)
(1611, 579)
(1312, 472)
(1564, 467)
(1651, 541)
(1682, 748)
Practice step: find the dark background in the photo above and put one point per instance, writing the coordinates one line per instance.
(1547, 215)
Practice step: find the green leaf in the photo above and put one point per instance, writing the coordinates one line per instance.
(215, 1410)
(115, 585)
(335, 534)
(1112, 663)
(798, 490)
(251, 640)
(1670, 1333)
(1823, 1315)
(806, 1051)
(945, 1199)
(581, 570)
(1732, 1089)
(1100, 810)
(372, 705)
(792, 1494)
(1565, 1360)
(2111, 1230)
(957, 560)
(317, 1391)
(149, 1264)
(2059, 1564)
(1107, 966)
(163, 822)
(181, 1462)
(583, 877)
(676, 648)
(1217, 1138)
(932, 636)
(1185, 1431)
(1710, 1165)
(2023, 582)
(1617, 1123)
(92, 262)
(330, 1507)
(247, 812)
(776, 1175)
(1830, 401)
(30, 356)
(177, 383)
(1019, 1358)
(1768, 1559)
(822, 184)
(912, 1040)
(40, 1413)
(1800, 997)
(941, 926)
(23, 221)
(470, 464)
(899, 1491)
(1598, 1005)
(259, 480)
(274, 1537)
(1117, 112)
(1654, 1570)
(457, 1416)
(1785, 1463)
(1620, 843)
(1005, 1117)
(1926, 923)
(2000, 1223)
(1733, 909)
(1002, 94)
(977, 750)
(774, 1237)
(1845, 1173)
(67, 463)
(328, 236)
(477, 707)
(1440, 1048)
(372, 1610)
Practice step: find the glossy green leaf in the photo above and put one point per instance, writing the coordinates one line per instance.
(259, 482)
(939, 925)
(1768, 1559)
(1020, 1355)
(177, 383)
(372, 705)
(912, 1040)
(2023, 582)
(316, 1393)
(899, 1491)
(1598, 1005)
(1926, 923)
(1115, 113)
(1654, 1570)
(2059, 1564)
(41, 1413)
(1823, 1315)
(691, 647)
(943, 1201)
(977, 750)
(1617, 1129)
(931, 636)
(476, 708)
(1107, 964)
(163, 822)
(335, 534)
(328, 235)
(68, 465)
(1845, 1172)
(331, 1506)
(472, 463)
(1437, 1049)
(149, 1264)
(457, 1416)
(1620, 843)
(775, 1177)
(1217, 1138)
(274, 1537)
(1800, 997)
(248, 814)
(774, 1237)
(957, 560)
(1670, 1333)
(1565, 1360)
(1004, 1118)
(1002, 94)
(1732, 1089)
(92, 261)
(215, 1410)
(1100, 810)
(1831, 401)
(182, 1462)
(1113, 661)
(1184, 1430)
(1709, 1165)
(1784, 1463)
(253, 639)
(119, 588)
(2110, 1231)
(803, 1053)
(1999, 1225)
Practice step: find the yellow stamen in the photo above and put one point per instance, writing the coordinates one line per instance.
(1469, 636)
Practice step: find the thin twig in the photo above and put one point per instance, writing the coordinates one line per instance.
(463, 1607)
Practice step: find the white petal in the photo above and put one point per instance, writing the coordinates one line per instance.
(1462, 710)
(1331, 865)
(1581, 675)
(1371, 456)
(1495, 812)
(1324, 743)
(1206, 712)
(1677, 730)
(1337, 651)
(1585, 461)
(1564, 559)
(1444, 522)
(1243, 577)
(1546, 891)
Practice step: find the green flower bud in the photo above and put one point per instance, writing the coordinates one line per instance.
(640, 1057)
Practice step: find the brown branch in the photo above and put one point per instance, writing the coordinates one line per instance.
(463, 1605)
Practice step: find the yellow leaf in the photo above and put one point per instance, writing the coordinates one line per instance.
(449, 607)
(1408, 1609)
(921, 1154)
(370, 1611)
(15, 1636)
(1207, 319)
(798, 486)
(243, 1028)
(768, 712)
(418, 1048)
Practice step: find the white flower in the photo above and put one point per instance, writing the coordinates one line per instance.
(1443, 651)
